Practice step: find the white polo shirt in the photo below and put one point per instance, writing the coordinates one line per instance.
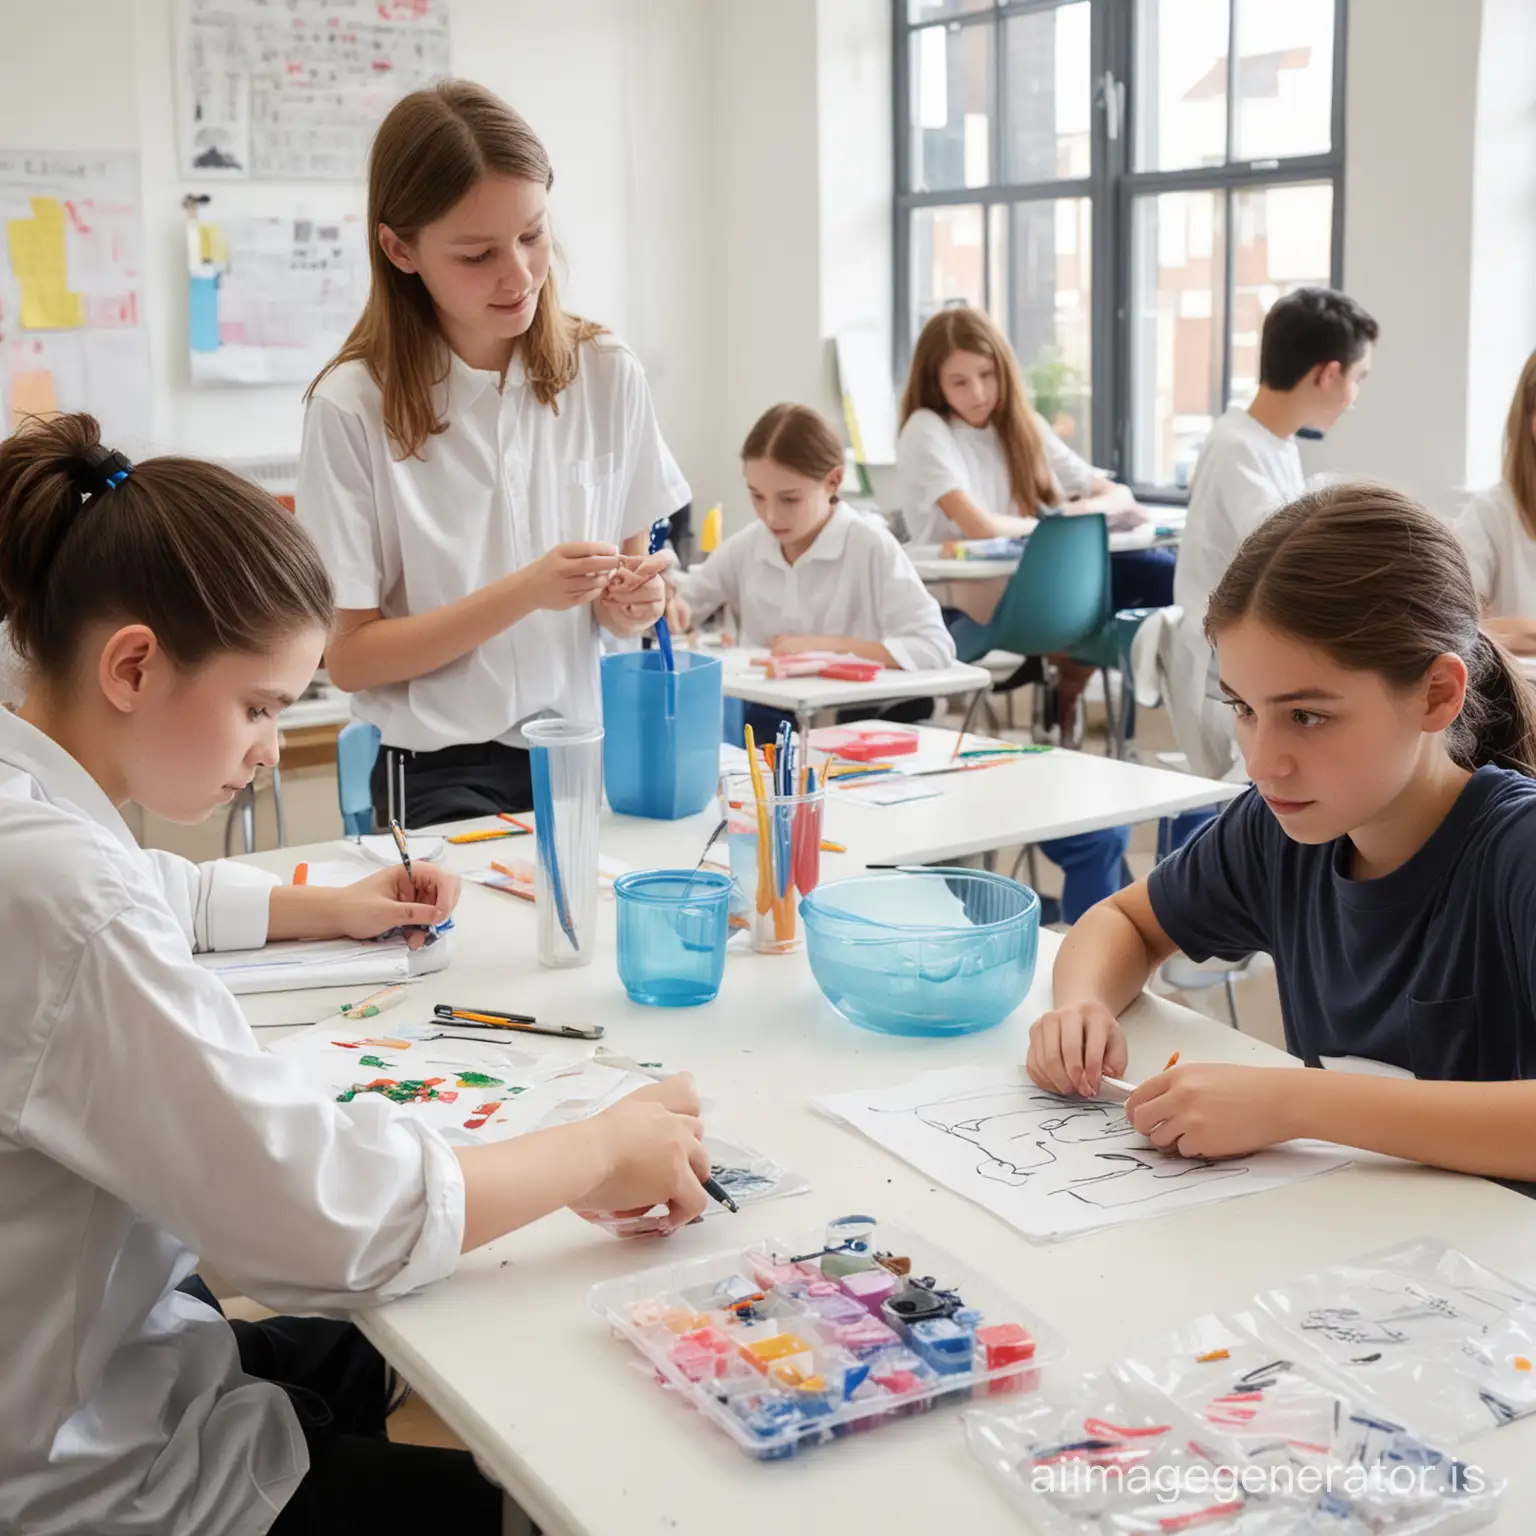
(1501, 552)
(936, 455)
(140, 1124)
(854, 581)
(508, 481)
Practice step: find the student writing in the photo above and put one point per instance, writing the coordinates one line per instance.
(479, 469)
(1314, 354)
(165, 613)
(810, 574)
(1385, 856)
(1498, 530)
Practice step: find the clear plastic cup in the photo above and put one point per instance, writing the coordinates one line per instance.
(567, 763)
(770, 900)
(672, 933)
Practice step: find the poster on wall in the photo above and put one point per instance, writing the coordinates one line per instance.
(71, 328)
(270, 301)
(293, 89)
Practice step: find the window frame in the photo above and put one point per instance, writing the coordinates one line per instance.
(1112, 186)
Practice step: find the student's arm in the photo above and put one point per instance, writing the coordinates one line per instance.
(1103, 965)
(977, 523)
(1220, 1111)
(369, 651)
(1513, 633)
(1105, 495)
(1086, 489)
(386, 899)
(715, 583)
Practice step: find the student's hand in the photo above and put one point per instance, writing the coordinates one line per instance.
(636, 596)
(650, 1144)
(1206, 1110)
(1070, 1049)
(797, 645)
(571, 575)
(384, 901)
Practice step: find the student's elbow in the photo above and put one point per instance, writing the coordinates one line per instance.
(346, 657)
(1133, 905)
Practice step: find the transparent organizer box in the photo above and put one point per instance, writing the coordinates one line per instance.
(797, 1339)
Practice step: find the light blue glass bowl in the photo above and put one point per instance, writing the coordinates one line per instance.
(672, 933)
(923, 951)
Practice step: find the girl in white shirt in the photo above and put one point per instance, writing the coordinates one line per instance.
(480, 470)
(165, 614)
(1498, 530)
(811, 575)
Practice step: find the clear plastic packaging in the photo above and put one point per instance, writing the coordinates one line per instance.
(1427, 1336)
(799, 1339)
(1115, 1454)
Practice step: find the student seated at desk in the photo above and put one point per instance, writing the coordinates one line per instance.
(1314, 354)
(1385, 856)
(811, 574)
(976, 462)
(165, 614)
(1498, 530)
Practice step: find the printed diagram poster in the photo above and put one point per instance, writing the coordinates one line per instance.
(71, 336)
(293, 89)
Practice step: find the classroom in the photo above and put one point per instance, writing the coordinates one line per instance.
(509, 1025)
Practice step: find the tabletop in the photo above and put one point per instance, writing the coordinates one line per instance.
(557, 1411)
(807, 694)
(1163, 531)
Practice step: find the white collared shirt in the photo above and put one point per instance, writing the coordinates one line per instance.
(1501, 552)
(936, 455)
(141, 1123)
(508, 481)
(854, 581)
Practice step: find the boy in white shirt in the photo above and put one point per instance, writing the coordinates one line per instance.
(1314, 355)
(811, 575)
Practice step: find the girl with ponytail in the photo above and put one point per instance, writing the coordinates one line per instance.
(164, 614)
(1385, 857)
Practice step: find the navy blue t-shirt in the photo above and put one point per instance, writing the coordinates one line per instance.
(1431, 968)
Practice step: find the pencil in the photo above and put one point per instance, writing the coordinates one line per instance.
(489, 834)
(764, 840)
(1172, 1061)
(507, 816)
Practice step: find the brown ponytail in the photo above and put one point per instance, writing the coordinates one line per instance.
(207, 560)
(796, 438)
(1381, 585)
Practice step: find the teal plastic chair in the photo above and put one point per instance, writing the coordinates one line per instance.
(357, 749)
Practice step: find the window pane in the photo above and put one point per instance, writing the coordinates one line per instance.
(951, 107)
(932, 10)
(1284, 78)
(1049, 93)
(1178, 277)
(1181, 83)
(946, 261)
(1047, 309)
(1282, 240)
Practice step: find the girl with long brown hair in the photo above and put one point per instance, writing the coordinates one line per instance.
(1498, 530)
(1385, 857)
(480, 469)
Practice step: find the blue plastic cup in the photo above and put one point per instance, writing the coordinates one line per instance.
(672, 932)
(661, 750)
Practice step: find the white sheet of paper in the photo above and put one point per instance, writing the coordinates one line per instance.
(1052, 1167)
(380, 847)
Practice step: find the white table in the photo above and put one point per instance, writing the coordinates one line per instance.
(1164, 531)
(507, 1353)
(805, 697)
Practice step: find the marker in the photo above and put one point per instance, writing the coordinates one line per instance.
(374, 1004)
(1115, 1088)
(716, 1191)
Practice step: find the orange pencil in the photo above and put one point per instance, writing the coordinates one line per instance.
(507, 816)
(1172, 1061)
(301, 874)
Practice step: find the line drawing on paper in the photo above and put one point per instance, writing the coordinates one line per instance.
(1084, 1149)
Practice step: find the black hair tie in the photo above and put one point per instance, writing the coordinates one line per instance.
(99, 470)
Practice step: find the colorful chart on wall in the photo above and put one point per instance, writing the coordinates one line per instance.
(71, 332)
(293, 89)
(271, 300)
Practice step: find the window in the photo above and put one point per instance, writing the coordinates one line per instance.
(1126, 186)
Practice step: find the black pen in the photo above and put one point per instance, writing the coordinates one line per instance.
(716, 1191)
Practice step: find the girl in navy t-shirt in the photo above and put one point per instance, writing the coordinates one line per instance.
(1385, 856)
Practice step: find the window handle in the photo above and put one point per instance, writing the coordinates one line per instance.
(1112, 94)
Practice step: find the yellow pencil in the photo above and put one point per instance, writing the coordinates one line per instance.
(764, 853)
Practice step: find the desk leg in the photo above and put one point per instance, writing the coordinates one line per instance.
(805, 719)
(513, 1521)
(970, 710)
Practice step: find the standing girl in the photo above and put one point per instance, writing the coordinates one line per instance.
(1498, 530)
(480, 469)
(165, 613)
(811, 575)
(1385, 856)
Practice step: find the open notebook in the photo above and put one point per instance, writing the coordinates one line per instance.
(326, 963)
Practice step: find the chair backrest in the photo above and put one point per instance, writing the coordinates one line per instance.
(357, 749)
(1060, 593)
